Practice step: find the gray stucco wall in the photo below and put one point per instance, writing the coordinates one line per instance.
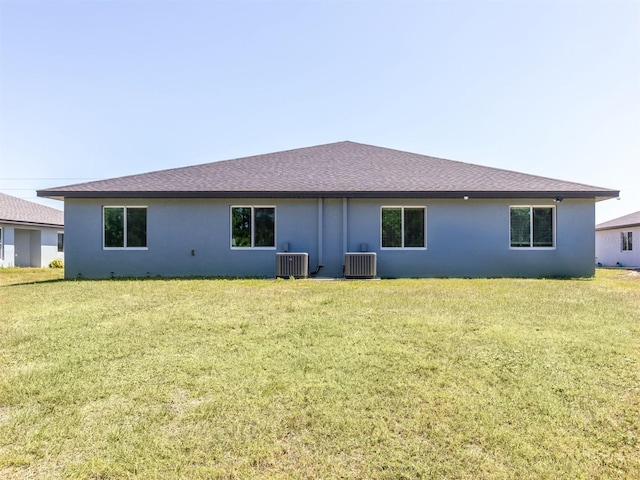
(471, 239)
(464, 239)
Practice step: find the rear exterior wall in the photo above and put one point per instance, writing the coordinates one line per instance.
(464, 238)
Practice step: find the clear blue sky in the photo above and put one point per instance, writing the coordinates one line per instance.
(102, 88)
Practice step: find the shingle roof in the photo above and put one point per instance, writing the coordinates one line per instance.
(343, 169)
(16, 210)
(631, 220)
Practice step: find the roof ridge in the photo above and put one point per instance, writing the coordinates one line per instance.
(345, 168)
(222, 161)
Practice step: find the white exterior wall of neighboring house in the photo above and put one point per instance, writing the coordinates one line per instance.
(609, 250)
(28, 246)
(29, 233)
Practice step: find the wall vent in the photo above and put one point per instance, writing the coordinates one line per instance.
(360, 265)
(292, 265)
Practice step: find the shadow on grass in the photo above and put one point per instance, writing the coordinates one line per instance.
(32, 282)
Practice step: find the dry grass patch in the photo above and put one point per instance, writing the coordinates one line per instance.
(17, 276)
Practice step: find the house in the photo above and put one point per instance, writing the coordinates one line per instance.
(31, 235)
(614, 242)
(421, 216)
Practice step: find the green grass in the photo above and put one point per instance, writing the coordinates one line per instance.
(188, 379)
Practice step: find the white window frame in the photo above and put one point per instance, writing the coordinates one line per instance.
(622, 241)
(553, 225)
(62, 233)
(253, 228)
(402, 207)
(125, 247)
(1, 243)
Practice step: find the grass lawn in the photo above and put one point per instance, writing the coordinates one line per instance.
(189, 379)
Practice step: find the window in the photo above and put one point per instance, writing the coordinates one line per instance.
(60, 242)
(627, 241)
(253, 227)
(532, 227)
(125, 227)
(403, 227)
(1, 249)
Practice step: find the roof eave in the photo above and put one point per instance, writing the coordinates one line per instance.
(617, 227)
(32, 224)
(597, 195)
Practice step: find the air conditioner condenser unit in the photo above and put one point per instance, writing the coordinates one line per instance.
(360, 265)
(292, 265)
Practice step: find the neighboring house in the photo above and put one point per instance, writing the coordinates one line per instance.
(31, 235)
(615, 242)
(422, 217)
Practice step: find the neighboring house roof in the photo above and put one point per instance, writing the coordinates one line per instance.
(631, 220)
(343, 169)
(16, 210)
